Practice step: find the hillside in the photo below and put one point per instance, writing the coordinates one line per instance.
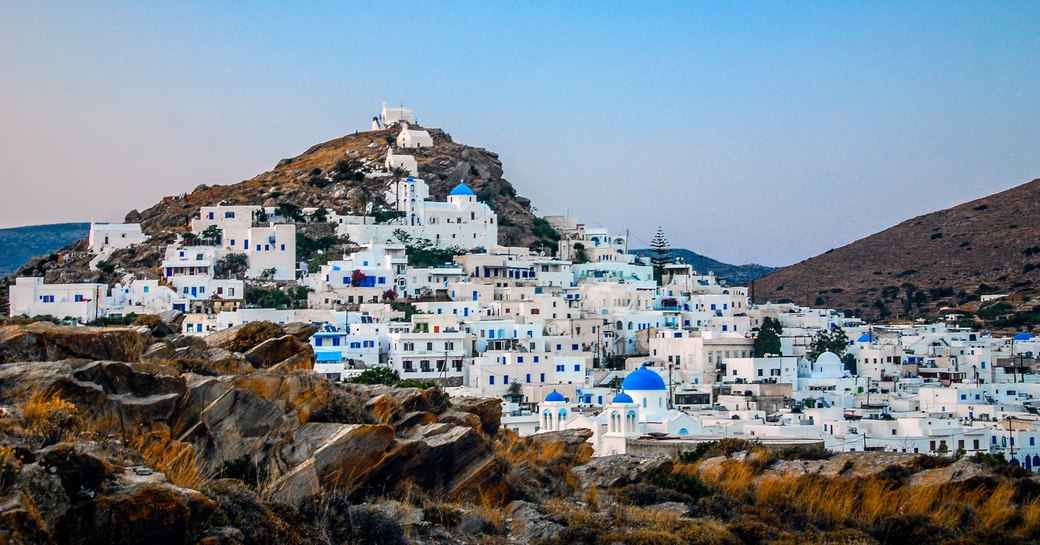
(19, 244)
(734, 275)
(312, 179)
(945, 258)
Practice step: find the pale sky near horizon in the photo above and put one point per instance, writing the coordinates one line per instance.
(751, 132)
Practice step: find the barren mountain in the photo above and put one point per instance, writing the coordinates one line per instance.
(945, 258)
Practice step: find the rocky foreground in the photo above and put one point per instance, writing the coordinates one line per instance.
(138, 435)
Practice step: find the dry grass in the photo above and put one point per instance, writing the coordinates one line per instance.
(868, 501)
(51, 417)
(10, 465)
(173, 458)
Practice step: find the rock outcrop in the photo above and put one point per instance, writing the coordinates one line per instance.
(43, 341)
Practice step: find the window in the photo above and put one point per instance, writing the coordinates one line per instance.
(528, 378)
(505, 379)
(429, 346)
(559, 368)
(519, 359)
(574, 347)
(79, 298)
(491, 380)
(541, 377)
(47, 298)
(449, 345)
(577, 367)
(283, 247)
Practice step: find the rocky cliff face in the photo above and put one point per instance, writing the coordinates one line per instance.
(944, 258)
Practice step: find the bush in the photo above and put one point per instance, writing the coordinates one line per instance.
(245, 470)
(417, 383)
(376, 375)
(688, 485)
(643, 494)
(803, 453)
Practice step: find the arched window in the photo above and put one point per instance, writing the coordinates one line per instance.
(683, 431)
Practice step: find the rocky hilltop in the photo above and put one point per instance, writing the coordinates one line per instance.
(312, 179)
(942, 259)
(128, 435)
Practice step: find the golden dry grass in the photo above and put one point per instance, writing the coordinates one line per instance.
(173, 458)
(51, 417)
(869, 500)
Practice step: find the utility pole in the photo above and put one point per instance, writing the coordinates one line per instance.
(670, 392)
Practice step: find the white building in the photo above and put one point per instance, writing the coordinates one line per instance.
(412, 138)
(114, 236)
(31, 297)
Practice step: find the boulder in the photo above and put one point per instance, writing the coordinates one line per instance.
(488, 410)
(44, 341)
(457, 418)
(276, 350)
(157, 514)
(242, 338)
(618, 469)
(528, 525)
(300, 330)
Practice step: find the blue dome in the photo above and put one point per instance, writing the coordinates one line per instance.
(1023, 336)
(865, 338)
(622, 398)
(461, 190)
(555, 396)
(643, 379)
(410, 180)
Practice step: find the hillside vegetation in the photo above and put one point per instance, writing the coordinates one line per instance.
(942, 259)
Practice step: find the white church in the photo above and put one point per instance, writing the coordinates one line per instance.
(641, 407)
(461, 221)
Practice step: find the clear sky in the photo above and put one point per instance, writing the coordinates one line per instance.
(752, 132)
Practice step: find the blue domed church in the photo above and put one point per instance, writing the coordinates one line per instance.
(640, 407)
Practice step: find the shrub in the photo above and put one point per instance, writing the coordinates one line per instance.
(688, 485)
(648, 494)
(928, 461)
(376, 375)
(51, 418)
(246, 470)
(417, 383)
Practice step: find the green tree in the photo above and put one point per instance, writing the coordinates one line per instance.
(289, 211)
(348, 170)
(829, 340)
(660, 253)
(321, 215)
(212, 234)
(232, 264)
(580, 255)
(768, 339)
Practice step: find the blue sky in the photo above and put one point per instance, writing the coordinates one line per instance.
(765, 132)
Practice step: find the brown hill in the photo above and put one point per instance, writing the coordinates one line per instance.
(311, 179)
(945, 258)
